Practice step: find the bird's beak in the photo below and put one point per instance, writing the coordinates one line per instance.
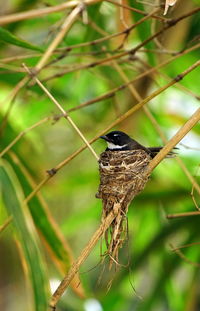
(104, 137)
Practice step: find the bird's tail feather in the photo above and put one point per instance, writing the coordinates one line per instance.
(154, 151)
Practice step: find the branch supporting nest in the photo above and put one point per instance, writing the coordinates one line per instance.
(123, 175)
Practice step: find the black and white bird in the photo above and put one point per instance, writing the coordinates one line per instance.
(120, 141)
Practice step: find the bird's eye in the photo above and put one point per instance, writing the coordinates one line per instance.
(115, 135)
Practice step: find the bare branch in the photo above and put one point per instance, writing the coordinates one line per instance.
(40, 12)
(65, 115)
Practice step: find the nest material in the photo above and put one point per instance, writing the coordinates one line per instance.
(122, 176)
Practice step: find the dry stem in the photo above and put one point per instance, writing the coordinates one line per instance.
(65, 27)
(65, 115)
(186, 214)
(136, 10)
(182, 256)
(84, 254)
(176, 138)
(6, 223)
(40, 12)
(21, 134)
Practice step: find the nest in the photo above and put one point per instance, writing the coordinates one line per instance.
(123, 175)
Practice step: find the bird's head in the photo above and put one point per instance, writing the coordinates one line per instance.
(116, 140)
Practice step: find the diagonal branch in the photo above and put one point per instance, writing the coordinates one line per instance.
(195, 118)
(40, 12)
(65, 115)
(65, 27)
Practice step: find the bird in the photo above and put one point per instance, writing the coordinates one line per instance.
(120, 141)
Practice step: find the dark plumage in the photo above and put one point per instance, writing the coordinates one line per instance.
(120, 141)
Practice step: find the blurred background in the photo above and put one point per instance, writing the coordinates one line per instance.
(38, 241)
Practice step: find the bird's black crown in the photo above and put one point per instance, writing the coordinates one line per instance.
(117, 138)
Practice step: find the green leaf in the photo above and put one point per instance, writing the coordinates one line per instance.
(7, 37)
(57, 246)
(13, 200)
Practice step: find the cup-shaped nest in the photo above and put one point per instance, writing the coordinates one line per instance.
(123, 175)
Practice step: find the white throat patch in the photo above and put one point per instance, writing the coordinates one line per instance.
(112, 146)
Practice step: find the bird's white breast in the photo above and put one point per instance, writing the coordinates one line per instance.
(112, 146)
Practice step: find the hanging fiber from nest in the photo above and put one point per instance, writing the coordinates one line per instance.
(123, 175)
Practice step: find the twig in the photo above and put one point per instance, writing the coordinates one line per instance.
(21, 134)
(10, 68)
(136, 10)
(182, 256)
(65, 115)
(40, 12)
(128, 52)
(37, 188)
(6, 223)
(65, 27)
(185, 245)
(176, 138)
(84, 254)
(186, 214)
(178, 85)
(195, 185)
(15, 91)
(18, 57)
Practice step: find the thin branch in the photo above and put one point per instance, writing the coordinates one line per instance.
(11, 68)
(195, 185)
(6, 223)
(19, 57)
(128, 52)
(40, 12)
(16, 90)
(178, 85)
(65, 115)
(186, 214)
(136, 10)
(21, 134)
(182, 256)
(65, 27)
(83, 256)
(185, 246)
(39, 186)
(175, 140)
